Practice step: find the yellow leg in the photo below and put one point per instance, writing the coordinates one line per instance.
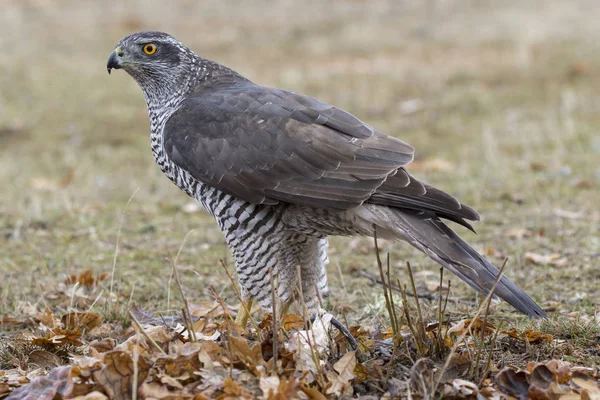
(243, 314)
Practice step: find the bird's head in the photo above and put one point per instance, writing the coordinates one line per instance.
(156, 60)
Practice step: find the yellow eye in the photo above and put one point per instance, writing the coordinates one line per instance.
(150, 48)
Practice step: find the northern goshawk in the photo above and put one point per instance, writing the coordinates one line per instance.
(281, 171)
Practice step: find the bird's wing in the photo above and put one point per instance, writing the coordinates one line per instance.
(267, 145)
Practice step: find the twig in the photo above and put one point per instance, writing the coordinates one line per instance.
(242, 302)
(482, 334)
(464, 334)
(136, 371)
(488, 364)
(411, 325)
(141, 329)
(185, 300)
(114, 266)
(440, 340)
(393, 307)
(385, 286)
(228, 316)
(421, 324)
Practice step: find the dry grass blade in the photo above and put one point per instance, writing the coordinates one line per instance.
(386, 293)
(117, 242)
(421, 322)
(475, 366)
(485, 305)
(141, 329)
(186, 313)
(275, 330)
(242, 302)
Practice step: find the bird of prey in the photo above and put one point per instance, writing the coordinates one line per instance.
(281, 172)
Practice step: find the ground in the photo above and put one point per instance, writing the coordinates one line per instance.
(500, 100)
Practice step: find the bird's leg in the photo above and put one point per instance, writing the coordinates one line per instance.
(244, 313)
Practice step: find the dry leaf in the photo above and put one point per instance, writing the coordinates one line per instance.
(116, 375)
(86, 278)
(586, 382)
(313, 394)
(345, 366)
(461, 327)
(513, 382)
(292, 321)
(57, 383)
(95, 395)
(549, 259)
(269, 385)
(44, 359)
(233, 389)
(239, 347)
(460, 389)
(87, 320)
(306, 343)
(518, 233)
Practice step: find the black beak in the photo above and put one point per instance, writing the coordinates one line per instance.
(114, 61)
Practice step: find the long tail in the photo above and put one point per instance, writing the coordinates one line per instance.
(426, 232)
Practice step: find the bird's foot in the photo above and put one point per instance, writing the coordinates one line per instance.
(344, 331)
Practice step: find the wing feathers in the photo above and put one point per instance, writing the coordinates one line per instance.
(268, 145)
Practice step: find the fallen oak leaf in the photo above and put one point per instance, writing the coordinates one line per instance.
(514, 383)
(530, 335)
(58, 382)
(239, 347)
(548, 259)
(287, 390)
(340, 382)
(586, 383)
(461, 327)
(85, 320)
(292, 321)
(117, 374)
(86, 278)
(233, 390)
(345, 366)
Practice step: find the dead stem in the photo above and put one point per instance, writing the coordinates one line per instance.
(242, 302)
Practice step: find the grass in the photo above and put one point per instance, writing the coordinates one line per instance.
(511, 108)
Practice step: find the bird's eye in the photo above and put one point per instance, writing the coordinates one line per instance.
(150, 48)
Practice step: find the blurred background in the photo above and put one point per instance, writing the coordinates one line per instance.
(500, 99)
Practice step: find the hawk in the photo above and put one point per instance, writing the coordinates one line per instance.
(281, 172)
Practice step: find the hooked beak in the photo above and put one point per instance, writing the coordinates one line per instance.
(114, 60)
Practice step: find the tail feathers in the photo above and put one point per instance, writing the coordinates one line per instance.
(428, 233)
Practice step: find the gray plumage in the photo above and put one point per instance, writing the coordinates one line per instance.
(281, 172)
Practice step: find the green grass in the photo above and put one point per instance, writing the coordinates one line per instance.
(514, 108)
